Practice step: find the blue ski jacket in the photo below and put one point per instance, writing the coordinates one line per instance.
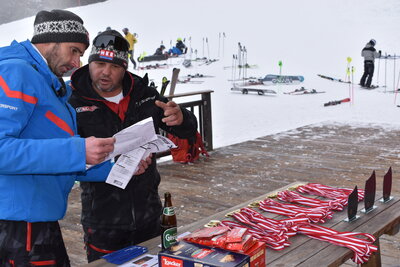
(41, 155)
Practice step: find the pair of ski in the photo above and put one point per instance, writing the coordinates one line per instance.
(372, 87)
(304, 91)
(342, 81)
(336, 102)
(198, 75)
(333, 79)
(155, 66)
(208, 62)
(189, 80)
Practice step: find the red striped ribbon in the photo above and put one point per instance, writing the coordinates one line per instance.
(315, 215)
(294, 197)
(329, 192)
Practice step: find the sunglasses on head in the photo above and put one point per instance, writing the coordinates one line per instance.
(103, 41)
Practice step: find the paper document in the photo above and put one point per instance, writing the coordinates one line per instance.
(133, 137)
(127, 164)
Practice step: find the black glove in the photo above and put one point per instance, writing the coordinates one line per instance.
(380, 52)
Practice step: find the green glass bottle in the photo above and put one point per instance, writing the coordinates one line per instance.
(168, 223)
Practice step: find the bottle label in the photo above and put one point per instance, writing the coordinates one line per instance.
(169, 211)
(169, 237)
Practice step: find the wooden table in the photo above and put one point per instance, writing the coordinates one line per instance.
(304, 251)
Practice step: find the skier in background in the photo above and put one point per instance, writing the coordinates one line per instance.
(131, 38)
(369, 53)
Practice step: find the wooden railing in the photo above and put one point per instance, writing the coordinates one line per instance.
(203, 114)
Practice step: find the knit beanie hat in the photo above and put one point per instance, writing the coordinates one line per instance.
(59, 26)
(110, 46)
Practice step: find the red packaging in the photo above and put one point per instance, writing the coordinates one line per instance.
(247, 242)
(208, 232)
(257, 254)
(236, 234)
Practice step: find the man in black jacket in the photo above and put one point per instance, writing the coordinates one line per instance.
(369, 54)
(107, 99)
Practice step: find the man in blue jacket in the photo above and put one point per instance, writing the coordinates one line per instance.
(41, 154)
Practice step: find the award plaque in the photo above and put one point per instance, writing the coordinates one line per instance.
(370, 190)
(352, 206)
(387, 186)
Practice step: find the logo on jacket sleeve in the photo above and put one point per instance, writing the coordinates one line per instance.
(85, 109)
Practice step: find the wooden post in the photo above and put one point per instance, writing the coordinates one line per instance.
(207, 121)
(375, 259)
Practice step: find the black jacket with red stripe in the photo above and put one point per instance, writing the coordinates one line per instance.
(104, 205)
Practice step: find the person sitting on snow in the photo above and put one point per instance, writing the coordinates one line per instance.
(178, 49)
(180, 45)
(160, 50)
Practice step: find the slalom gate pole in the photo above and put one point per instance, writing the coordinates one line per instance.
(394, 72)
(352, 84)
(377, 76)
(385, 70)
(347, 77)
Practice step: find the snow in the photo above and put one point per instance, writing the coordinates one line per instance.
(310, 37)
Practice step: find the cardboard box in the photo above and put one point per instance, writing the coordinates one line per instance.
(257, 254)
(185, 254)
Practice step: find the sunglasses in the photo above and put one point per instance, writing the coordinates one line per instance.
(119, 43)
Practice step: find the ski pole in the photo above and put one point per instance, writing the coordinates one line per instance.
(239, 59)
(233, 62)
(395, 95)
(280, 67)
(219, 42)
(203, 47)
(377, 76)
(244, 62)
(223, 44)
(190, 47)
(208, 48)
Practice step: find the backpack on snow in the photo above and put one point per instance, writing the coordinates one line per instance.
(188, 150)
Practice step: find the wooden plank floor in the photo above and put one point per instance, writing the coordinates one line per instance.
(328, 153)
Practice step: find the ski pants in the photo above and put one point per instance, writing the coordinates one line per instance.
(99, 242)
(366, 79)
(32, 244)
(130, 52)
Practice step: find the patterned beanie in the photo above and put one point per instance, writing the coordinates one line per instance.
(110, 46)
(59, 26)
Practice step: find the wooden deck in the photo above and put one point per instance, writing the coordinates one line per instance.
(328, 153)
